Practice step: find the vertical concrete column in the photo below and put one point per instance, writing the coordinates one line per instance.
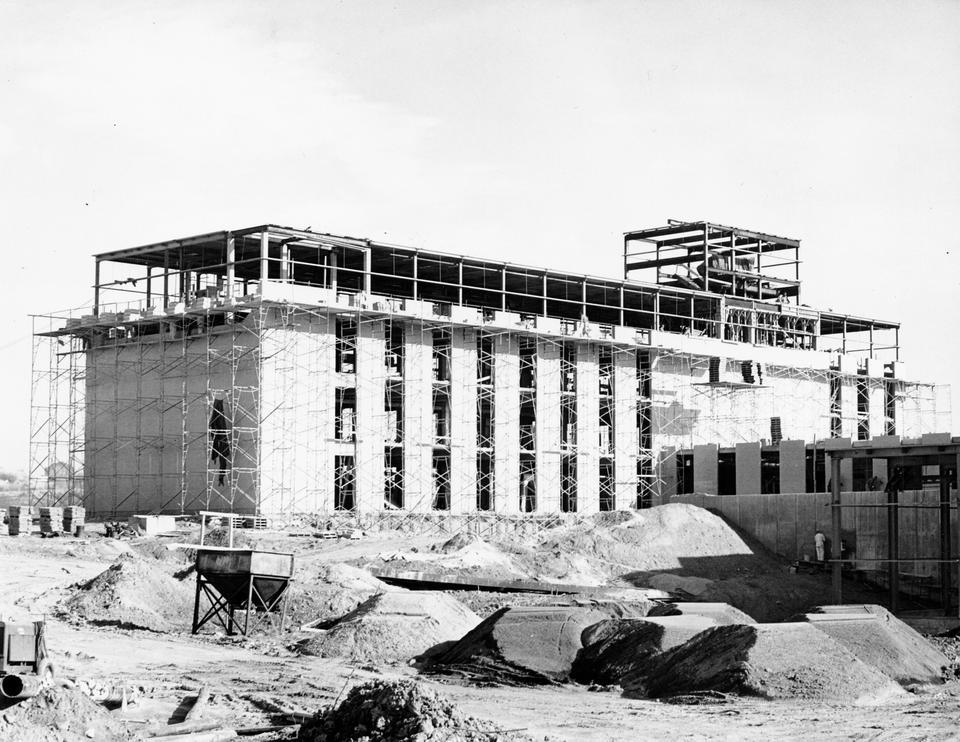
(878, 420)
(705, 469)
(626, 437)
(322, 403)
(848, 410)
(793, 466)
(371, 417)
(548, 426)
(506, 424)
(748, 468)
(588, 427)
(463, 420)
(417, 417)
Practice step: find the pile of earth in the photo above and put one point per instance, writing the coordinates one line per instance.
(673, 537)
(774, 661)
(395, 625)
(529, 645)
(621, 647)
(323, 590)
(399, 711)
(60, 715)
(132, 593)
(463, 553)
(883, 641)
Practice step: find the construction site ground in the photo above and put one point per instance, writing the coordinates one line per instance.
(262, 679)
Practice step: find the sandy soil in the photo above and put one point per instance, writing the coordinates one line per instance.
(252, 681)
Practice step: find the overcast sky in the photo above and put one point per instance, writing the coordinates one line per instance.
(529, 131)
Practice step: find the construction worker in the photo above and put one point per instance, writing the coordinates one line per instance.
(820, 541)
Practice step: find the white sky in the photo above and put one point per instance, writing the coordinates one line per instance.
(529, 131)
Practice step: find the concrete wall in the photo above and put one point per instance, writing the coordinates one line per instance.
(147, 413)
(786, 525)
(298, 402)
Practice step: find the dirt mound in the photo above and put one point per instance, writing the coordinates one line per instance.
(61, 715)
(789, 660)
(391, 626)
(616, 648)
(526, 645)
(399, 711)
(324, 591)
(881, 640)
(133, 593)
(674, 537)
(153, 548)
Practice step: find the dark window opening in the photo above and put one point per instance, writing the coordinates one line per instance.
(685, 474)
(528, 484)
(393, 477)
(726, 473)
(346, 346)
(528, 422)
(484, 481)
(769, 472)
(608, 498)
(441, 355)
(568, 484)
(344, 483)
(345, 421)
(441, 481)
(714, 372)
(528, 363)
(816, 471)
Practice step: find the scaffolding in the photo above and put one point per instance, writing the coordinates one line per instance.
(271, 370)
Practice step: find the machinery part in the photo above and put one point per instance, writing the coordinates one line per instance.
(18, 687)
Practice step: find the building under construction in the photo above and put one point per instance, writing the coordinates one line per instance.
(271, 370)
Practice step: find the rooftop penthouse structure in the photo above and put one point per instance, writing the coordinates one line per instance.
(271, 370)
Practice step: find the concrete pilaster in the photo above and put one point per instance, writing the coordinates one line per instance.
(417, 418)
(626, 436)
(705, 469)
(793, 466)
(548, 426)
(371, 417)
(748, 468)
(463, 420)
(588, 428)
(506, 424)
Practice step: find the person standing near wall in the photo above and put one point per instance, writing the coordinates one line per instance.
(820, 542)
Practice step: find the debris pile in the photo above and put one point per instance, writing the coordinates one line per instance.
(61, 715)
(676, 536)
(775, 661)
(881, 640)
(324, 591)
(399, 711)
(527, 645)
(616, 648)
(132, 593)
(395, 625)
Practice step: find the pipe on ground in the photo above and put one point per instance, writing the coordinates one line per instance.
(18, 687)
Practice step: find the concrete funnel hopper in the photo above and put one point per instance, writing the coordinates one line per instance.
(254, 582)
